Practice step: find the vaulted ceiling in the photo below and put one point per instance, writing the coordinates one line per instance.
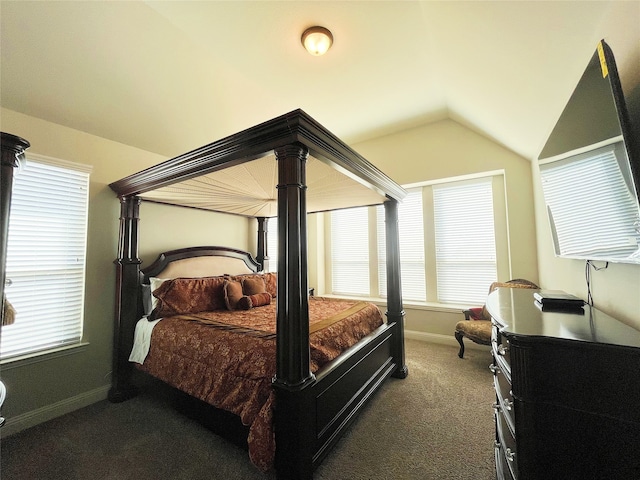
(168, 77)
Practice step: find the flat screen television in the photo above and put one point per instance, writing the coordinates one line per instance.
(590, 170)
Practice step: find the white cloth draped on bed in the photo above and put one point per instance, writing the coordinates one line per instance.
(142, 340)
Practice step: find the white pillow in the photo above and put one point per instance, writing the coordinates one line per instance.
(154, 284)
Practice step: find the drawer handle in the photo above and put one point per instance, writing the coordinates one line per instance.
(502, 350)
(511, 456)
(494, 369)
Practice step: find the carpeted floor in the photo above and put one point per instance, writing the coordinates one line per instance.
(435, 424)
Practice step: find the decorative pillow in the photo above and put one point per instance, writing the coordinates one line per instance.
(188, 295)
(247, 302)
(271, 282)
(260, 299)
(270, 279)
(232, 293)
(253, 286)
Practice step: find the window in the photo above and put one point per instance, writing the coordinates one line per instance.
(411, 229)
(350, 251)
(272, 244)
(464, 240)
(448, 250)
(46, 256)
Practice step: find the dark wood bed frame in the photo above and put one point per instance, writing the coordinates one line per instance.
(312, 411)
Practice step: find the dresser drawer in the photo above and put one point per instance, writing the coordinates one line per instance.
(500, 349)
(502, 468)
(507, 443)
(504, 399)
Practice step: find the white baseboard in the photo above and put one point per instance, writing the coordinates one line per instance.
(49, 412)
(442, 339)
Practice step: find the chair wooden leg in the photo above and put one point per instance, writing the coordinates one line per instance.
(459, 337)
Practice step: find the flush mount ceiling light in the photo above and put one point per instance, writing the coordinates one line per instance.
(317, 40)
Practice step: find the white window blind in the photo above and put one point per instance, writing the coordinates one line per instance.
(594, 211)
(465, 241)
(412, 263)
(46, 256)
(272, 244)
(350, 251)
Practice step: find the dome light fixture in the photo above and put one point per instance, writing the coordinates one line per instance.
(317, 40)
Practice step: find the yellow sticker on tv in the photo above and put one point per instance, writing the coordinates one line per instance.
(603, 61)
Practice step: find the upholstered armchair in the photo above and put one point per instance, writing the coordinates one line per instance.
(476, 325)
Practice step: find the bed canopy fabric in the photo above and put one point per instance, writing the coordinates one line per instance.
(249, 189)
(239, 174)
(285, 167)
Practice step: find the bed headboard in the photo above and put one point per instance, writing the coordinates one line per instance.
(200, 262)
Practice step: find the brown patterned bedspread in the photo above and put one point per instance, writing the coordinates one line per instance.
(227, 359)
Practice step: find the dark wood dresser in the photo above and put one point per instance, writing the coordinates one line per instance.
(567, 392)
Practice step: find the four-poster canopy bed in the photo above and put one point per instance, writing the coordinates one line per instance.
(313, 401)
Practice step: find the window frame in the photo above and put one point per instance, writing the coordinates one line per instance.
(500, 233)
(404, 246)
(272, 244)
(458, 196)
(369, 284)
(34, 354)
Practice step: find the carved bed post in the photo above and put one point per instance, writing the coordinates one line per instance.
(263, 249)
(126, 310)
(395, 309)
(292, 362)
(294, 453)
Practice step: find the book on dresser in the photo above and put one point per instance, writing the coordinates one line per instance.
(557, 298)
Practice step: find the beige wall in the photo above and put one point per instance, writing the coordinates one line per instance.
(444, 150)
(615, 290)
(49, 387)
(163, 228)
